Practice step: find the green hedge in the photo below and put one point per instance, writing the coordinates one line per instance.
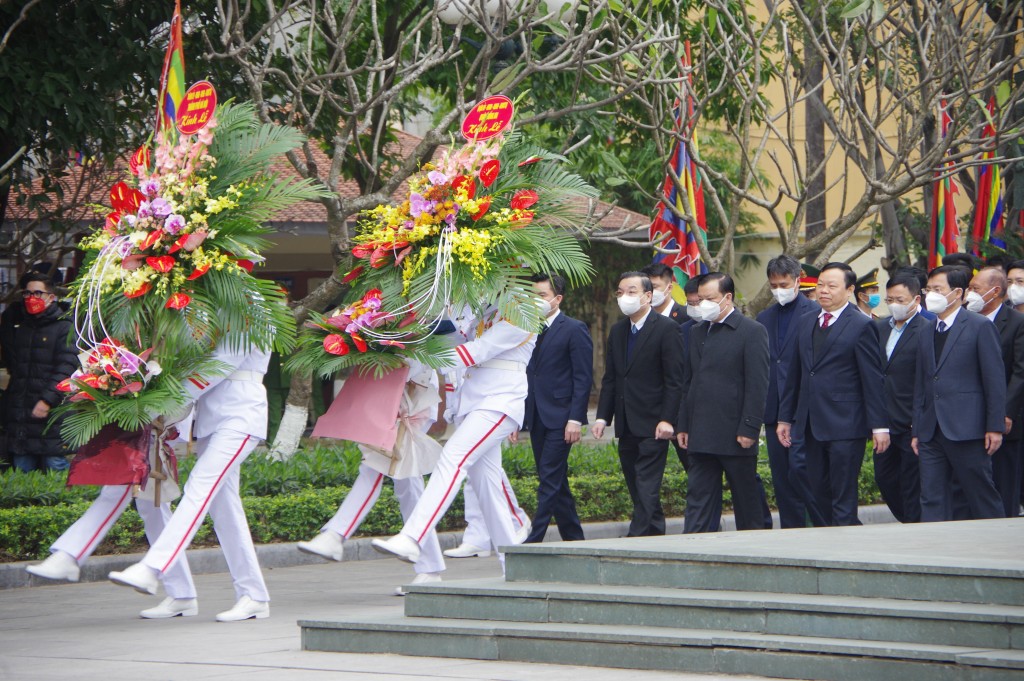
(26, 533)
(301, 507)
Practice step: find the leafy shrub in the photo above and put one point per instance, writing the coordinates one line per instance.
(291, 501)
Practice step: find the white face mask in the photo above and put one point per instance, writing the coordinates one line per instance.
(693, 312)
(936, 302)
(1016, 294)
(629, 305)
(545, 307)
(658, 297)
(901, 312)
(785, 296)
(709, 311)
(974, 301)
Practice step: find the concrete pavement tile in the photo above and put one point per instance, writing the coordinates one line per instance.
(92, 631)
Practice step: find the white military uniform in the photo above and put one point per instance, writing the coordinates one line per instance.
(489, 404)
(231, 419)
(408, 489)
(476, 529)
(81, 539)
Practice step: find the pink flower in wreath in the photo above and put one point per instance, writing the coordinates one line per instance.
(150, 187)
(160, 208)
(174, 223)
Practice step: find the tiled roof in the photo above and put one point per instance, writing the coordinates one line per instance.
(83, 189)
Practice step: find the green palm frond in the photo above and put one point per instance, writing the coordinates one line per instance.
(250, 152)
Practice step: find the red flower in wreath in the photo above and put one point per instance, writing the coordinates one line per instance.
(524, 199)
(198, 272)
(178, 301)
(522, 219)
(162, 264)
(125, 199)
(362, 251)
(353, 274)
(485, 204)
(464, 182)
(139, 162)
(335, 345)
(141, 291)
(489, 172)
(151, 239)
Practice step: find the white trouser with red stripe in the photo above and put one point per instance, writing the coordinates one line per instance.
(476, 530)
(361, 499)
(474, 451)
(81, 539)
(212, 487)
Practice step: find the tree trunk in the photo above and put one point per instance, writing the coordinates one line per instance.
(814, 129)
(296, 415)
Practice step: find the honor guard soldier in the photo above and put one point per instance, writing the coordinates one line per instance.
(488, 406)
(230, 420)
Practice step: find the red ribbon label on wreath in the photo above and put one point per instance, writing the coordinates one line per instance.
(488, 118)
(196, 108)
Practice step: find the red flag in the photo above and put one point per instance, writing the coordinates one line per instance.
(944, 232)
(988, 203)
(667, 230)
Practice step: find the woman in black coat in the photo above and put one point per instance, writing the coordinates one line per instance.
(38, 355)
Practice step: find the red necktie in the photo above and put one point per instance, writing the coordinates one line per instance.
(825, 319)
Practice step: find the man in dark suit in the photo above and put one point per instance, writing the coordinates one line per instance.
(720, 417)
(684, 316)
(641, 390)
(985, 295)
(560, 374)
(959, 402)
(831, 403)
(781, 322)
(664, 281)
(896, 470)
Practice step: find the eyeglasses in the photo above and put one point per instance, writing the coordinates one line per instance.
(34, 294)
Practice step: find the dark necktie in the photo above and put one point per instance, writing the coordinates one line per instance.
(942, 326)
(825, 319)
(631, 340)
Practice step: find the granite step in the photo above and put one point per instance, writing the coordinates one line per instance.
(968, 562)
(840, 617)
(664, 648)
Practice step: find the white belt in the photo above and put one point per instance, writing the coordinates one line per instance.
(246, 376)
(503, 364)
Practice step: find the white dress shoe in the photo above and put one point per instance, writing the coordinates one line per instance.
(59, 566)
(524, 532)
(399, 546)
(140, 577)
(327, 545)
(245, 609)
(467, 551)
(172, 607)
(422, 578)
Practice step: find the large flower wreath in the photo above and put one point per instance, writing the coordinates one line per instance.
(168, 274)
(475, 226)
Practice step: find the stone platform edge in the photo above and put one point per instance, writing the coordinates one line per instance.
(211, 560)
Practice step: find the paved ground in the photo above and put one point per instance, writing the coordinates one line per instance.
(90, 631)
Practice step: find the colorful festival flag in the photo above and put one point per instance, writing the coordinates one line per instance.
(944, 232)
(172, 80)
(988, 204)
(667, 230)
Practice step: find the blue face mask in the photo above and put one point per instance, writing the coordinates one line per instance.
(874, 300)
